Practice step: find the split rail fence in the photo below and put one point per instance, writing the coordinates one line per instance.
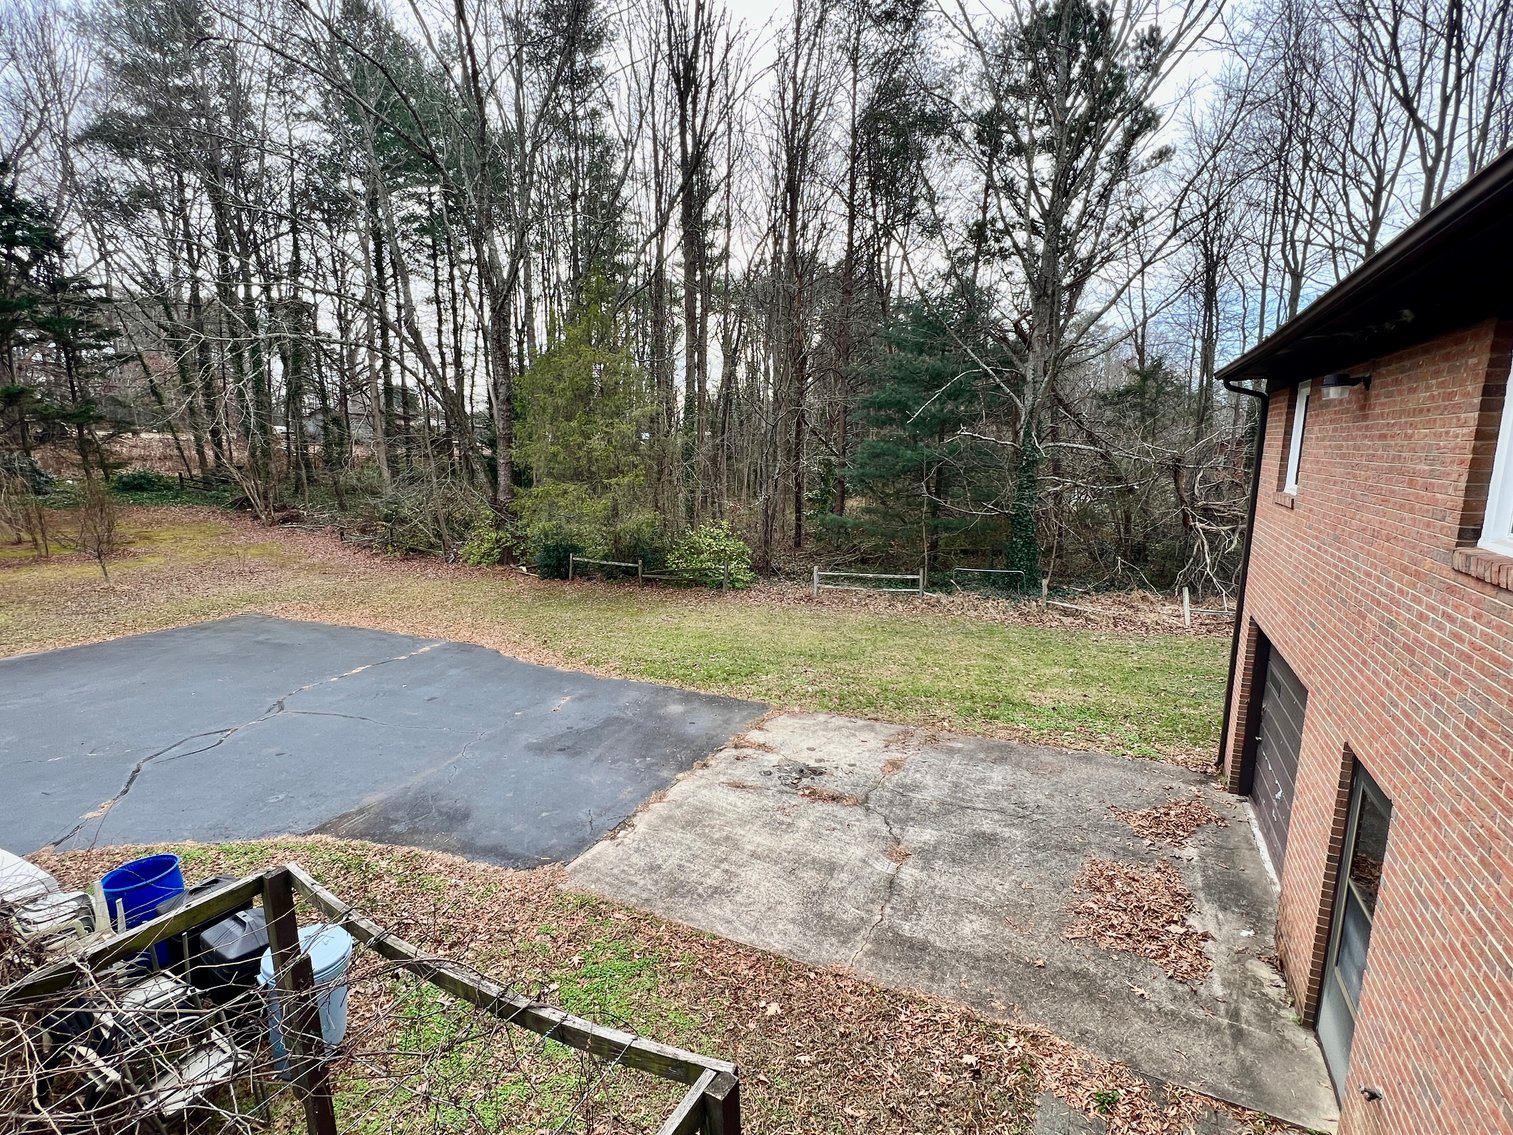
(915, 582)
(642, 575)
(710, 1102)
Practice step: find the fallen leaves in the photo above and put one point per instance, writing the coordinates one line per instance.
(1172, 823)
(819, 1049)
(1142, 911)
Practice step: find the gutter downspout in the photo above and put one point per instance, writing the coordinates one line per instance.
(1250, 526)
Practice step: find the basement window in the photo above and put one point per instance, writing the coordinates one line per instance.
(1295, 446)
(1497, 529)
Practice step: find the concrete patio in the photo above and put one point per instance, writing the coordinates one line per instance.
(945, 865)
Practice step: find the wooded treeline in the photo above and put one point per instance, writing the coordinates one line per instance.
(881, 281)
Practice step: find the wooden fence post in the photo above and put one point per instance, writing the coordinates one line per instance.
(571, 556)
(921, 580)
(814, 588)
(722, 1106)
(725, 577)
(1187, 609)
(640, 574)
(1045, 590)
(299, 1017)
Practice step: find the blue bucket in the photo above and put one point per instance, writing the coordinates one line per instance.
(330, 950)
(136, 889)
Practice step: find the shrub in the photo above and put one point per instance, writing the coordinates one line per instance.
(417, 515)
(20, 467)
(703, 553)
(490, 541)
(639, 537)
(552, 555)
(143, 481)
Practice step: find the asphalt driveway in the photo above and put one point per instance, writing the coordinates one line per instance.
(252, 727)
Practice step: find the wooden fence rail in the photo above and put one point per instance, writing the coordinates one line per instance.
(642, 575)
(916, 580)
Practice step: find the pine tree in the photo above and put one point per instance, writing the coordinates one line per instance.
(55, 334)
(920, 476)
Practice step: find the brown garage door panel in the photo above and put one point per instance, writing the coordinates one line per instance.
(1283, 706)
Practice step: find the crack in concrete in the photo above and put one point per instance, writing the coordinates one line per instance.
(279, 706)
(890, 887)
(370, 720)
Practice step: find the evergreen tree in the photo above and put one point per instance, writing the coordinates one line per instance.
(584, 432)
(55, 335)
(924, 471)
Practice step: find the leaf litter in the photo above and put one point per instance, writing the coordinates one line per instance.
(1171, 823)
(819, 1049)
(1142, 911)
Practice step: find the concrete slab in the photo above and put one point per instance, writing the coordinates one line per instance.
(946, 865)
(252, 727)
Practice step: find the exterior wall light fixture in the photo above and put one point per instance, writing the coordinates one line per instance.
(1337, 386)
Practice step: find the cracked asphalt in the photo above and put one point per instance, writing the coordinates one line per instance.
(252, 727)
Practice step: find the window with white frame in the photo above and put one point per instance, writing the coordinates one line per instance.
(1497, 529)
(1295, 446)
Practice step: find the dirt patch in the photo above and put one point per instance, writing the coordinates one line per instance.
(1172, 823)
(829, 796)
(1142, 911)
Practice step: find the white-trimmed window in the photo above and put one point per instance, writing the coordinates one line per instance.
(1295, 446)
(1497, 529)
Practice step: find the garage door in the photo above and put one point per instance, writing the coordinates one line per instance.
(1282, 706)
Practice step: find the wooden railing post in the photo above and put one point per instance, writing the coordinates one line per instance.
(722, 1106)
(814, 589)
(570, 558)
(299, 1016)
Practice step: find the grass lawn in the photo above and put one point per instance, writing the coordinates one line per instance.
(819, 1050)
(984, 669)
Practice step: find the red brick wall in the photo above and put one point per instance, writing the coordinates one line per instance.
(1407, 653)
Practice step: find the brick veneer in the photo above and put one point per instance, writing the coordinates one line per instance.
(1404, 640)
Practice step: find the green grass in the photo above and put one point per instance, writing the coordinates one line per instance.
(1136, 694)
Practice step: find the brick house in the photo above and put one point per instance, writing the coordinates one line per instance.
(1370, 710)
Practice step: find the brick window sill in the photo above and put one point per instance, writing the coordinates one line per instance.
(1489, 567)
(1285, 499)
